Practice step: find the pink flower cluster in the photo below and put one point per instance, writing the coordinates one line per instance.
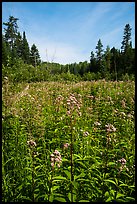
(31, 143)
(110, 128)
(56, 158)
(73, 104)
(123, 162)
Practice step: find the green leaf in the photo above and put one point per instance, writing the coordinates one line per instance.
(119, 195)
(110, 181)
(123, 184)
(111, 164)
(69, 197)
(79, 176)
(38, 148)
(60, 199)
(26, 198)
(77, 156)
(54, 188)
(109, 199)
(83, 179)
(9, 160)
(59, 178)
(130, 199)
(51, 198)
(131, 186)
(75, 184)
(83, 201)
(107, 194)
(68, 174)
(83, 165)
(28, 168)
(112, 192)
(65, 160)
(37, 167)
(55, 130)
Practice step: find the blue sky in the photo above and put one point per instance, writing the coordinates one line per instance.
(67, 32)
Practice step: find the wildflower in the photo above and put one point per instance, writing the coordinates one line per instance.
(122, 161)
(56, 152)
(52, 159)
(110, 128)
(73, 104)
(56, 158)
(66, 145)
(86, 133)
(97, 123)
(31, 143)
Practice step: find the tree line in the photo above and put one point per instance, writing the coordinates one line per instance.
(18, 59)
(15, 45)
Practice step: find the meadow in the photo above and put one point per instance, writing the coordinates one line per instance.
(68, 142)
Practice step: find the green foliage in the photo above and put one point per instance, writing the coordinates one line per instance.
(36, 122)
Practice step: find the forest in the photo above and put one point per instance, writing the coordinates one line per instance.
(20, 62)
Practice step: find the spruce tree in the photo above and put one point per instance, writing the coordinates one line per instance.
(127, 54)
(11, 30)
(126, 43)
(99, 53)
(25, 49)
(34, 55)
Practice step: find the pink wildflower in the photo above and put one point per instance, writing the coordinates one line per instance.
(31, 143)
(66, 145)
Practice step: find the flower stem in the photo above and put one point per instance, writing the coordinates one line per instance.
(71, 156)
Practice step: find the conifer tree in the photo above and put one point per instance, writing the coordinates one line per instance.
(107, 56)
(126, 43)
(34, 55)
(11, 30)
(18, 45)
(99, 53)
(25, 49)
